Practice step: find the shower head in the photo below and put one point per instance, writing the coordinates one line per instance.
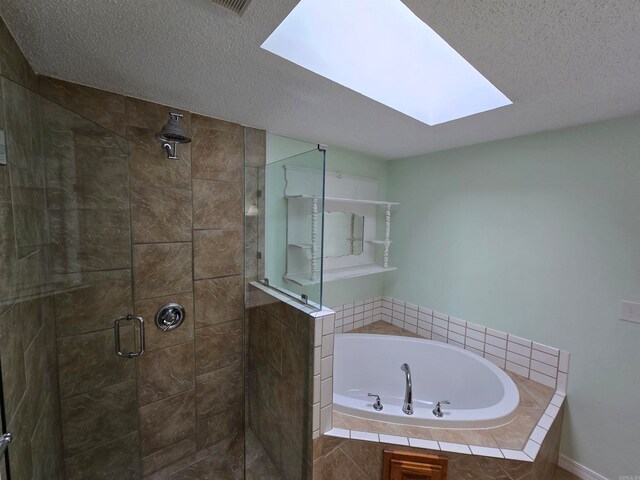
(172, 134)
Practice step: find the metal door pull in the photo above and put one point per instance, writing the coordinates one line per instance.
(5, 440)
(116, 328)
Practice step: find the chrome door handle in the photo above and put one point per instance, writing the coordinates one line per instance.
(116, 328)
(5, 440)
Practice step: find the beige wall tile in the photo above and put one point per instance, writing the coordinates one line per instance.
(46, 442)
(213, 466)
(104, 108)
(161, 269)
(514, 434)
(471, 466)
(99, 416)
(215, 428)
(29, 219)
(89, 361)
(540, 394)
(367, 455)
(82, 175)
(202, 122)
(90, 301)
(218, 346)
(218, 300)
(217, 154)
(547, 458)
(255, 147)
(219, 390)
(119, 459)
(234, 449)
(12, 63)
(167, 421)
(12, 357)
(217, 253)
(266, 336)
(160, 215)
(166, 372)
(217, 205)
(337, 465)
(84, 240)
(168, 455)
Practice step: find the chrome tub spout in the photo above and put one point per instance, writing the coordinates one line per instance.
(408, 392)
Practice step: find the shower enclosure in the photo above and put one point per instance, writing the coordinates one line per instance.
(99, 231)
(66, 275)
(97, 235)
(284, 210)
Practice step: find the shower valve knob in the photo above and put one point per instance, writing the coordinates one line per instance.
(170, 316)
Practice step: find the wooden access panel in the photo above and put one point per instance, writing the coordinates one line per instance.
(399, 465)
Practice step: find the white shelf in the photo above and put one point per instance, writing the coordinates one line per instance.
(379, 242)
(304, 246)
(340, 273)
(301, 279)
(345, 200)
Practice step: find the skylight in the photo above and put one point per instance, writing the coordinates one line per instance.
(380, 49)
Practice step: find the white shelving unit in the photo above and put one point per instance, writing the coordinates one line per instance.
(340, 273)
(348, 194)
(311, 250)
(346, 200)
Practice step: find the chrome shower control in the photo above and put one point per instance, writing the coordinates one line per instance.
(378, 404)
(170, 316)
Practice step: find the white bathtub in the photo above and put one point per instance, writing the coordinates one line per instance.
(481, 394)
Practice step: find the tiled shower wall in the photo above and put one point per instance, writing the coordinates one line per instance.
(130, 231)
(187, 247)
(27, 326)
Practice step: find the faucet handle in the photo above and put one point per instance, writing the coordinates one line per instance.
(438, 411)
(378, 404)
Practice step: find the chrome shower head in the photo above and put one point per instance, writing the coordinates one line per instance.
(172, 134)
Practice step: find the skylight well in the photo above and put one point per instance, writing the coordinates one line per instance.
(380, 49)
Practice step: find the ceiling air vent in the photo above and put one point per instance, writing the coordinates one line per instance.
(236, 6)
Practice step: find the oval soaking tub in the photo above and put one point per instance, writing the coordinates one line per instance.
(481, 394)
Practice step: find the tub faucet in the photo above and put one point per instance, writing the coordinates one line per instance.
(377, 406)
(408, 392)
(438, 411)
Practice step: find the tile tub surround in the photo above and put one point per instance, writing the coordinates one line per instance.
(540, 363)
(541, 398)
(323, 372)
(535, 414)
(355, 453)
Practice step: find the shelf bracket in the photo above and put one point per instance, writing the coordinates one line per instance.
(387, 234)
(314, 239)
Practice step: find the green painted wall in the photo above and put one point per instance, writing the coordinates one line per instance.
(538, 236)
(337, 159)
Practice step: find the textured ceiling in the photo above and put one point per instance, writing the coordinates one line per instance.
(562, 63)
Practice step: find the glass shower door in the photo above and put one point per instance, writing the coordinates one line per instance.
(65, 250)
